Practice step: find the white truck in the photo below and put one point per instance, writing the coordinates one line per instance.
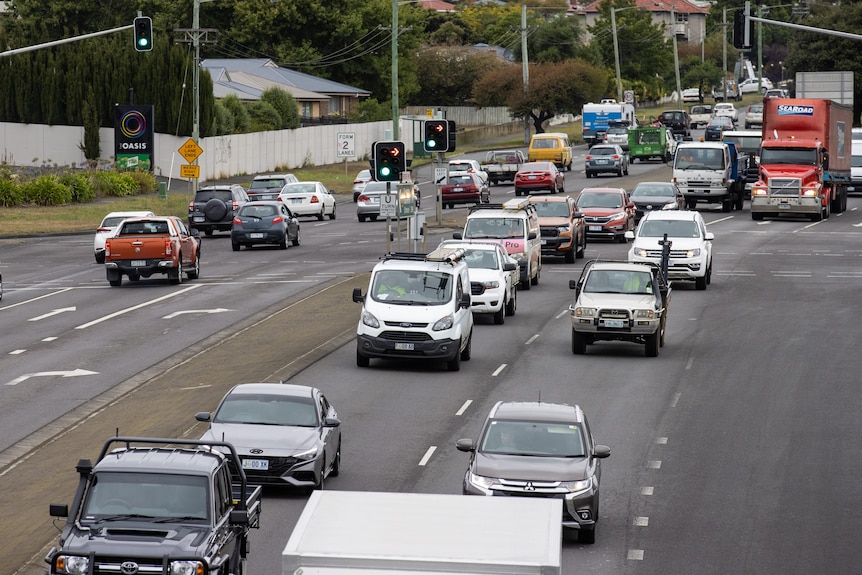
(708, 172)
(597, 117)
(369, 533)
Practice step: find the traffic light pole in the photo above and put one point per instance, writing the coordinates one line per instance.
(439, 203)
(64, 41)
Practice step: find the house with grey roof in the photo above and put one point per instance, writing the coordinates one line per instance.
(247, 78)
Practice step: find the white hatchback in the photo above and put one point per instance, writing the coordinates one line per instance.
(109, 225)
(690, 250)
(308, 199)
(726, 109)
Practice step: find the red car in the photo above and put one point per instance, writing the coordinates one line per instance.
(465, 188)
(608, 212)
(536, 176)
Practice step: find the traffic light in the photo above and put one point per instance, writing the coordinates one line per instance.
(143, 34)
(742, 31)
(389, 161)
(436, 136)
(451, 147)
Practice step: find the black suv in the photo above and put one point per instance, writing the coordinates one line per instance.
(214, 208)
(678, 121)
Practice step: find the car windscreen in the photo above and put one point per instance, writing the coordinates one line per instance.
(266, 409)
(494, 228)
(552, 209)
(673, 229)
(651, 191)
(533, 438)
(412, 287)
(600, 200)
(141, 496)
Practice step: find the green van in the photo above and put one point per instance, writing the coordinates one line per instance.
(649, 142)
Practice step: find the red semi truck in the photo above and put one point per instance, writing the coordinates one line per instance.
(804, 159)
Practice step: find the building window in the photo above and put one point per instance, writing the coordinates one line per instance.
(306, 109)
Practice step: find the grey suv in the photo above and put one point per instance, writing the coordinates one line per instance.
(214, 208)
(537, 449)
(267, 187)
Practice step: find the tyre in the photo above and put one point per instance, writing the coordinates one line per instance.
(581, 253)
(512, 304)
(283, 243)
(361, 218)
(100, 258)
(652, 344)
(235, 246)
(570, 255)
(336, 465)
(700, 283)
(176, 274)
(208, 232)
(662, 329)
(195, 272)
(740, 201)
(115, 279)
(332, 215)
(322, 479)
(215, 210)
(756, 216)
(726, 204)
(467, 352)
(500, 315)
(373, 218)
(454, 364)
(535, 280)
(361, 360)
(588, 174)
(579, 343)
(526, 285)
(295, 242)
(320, 215)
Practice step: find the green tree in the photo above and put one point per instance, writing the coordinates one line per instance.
(447, 74)
(553, 88)
(285, 104)
(264, 116)
(241, 116)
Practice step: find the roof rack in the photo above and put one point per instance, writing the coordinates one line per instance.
(442, 254)
(513, 204)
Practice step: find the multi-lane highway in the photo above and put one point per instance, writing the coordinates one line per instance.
(734, 451)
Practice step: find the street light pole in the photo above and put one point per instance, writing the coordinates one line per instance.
(617, 53)
(395, 108)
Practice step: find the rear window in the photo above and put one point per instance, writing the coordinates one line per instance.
(545, 143)
(207, 195)
(461, 180)
(258, 211)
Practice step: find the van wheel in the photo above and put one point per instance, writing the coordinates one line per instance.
(535, 281)
(512, 304)
(361, 360)
(454, 364)
(579, 343)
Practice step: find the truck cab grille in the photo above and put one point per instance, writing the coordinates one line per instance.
(789, 187)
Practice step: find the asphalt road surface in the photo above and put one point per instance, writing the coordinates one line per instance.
(734, 451)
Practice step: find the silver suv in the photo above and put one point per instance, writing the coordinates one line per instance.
(537, 449)
(619, 301)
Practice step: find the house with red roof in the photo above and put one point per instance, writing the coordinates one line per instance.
(688, 22)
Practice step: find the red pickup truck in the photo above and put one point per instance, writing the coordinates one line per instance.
(142, 247)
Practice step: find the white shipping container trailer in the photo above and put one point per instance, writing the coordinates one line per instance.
(371, 533)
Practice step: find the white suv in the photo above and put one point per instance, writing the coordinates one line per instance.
(493, 278)
(417, 307)
(690, 251)
(467, 166)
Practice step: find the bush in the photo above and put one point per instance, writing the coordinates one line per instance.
(46, 191)
(81, 187)
(115, 184)
(146, 182)
(10, 194)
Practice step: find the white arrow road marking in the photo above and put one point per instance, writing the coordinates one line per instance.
(73, 373)
(176, 313)
(55, 312)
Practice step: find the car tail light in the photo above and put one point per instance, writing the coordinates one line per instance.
(103, 230)
(615, 157)
(191, 206)
(168, 247)
(107, 248)
(362, 198)
(315, 200)
(588, 157)
(237, 222)
(277, 219)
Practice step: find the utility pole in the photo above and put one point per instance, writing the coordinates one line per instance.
(724, 52)
(395, 108)
(675, 52)
(525, 67)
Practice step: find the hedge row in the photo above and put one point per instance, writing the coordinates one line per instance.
(72, 187)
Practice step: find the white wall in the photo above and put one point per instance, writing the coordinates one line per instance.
(224, 156)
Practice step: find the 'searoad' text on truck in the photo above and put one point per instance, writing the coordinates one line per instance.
(804, 159)
(356, 533)
(158, 507)
(142, 247)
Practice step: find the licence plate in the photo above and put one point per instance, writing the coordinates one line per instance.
(200, 219)
(601, 161)
(295, 200)
(261, 464)
(404, 346)
(532, 177)
(614, 323)
(255, 236)
(458, 189)
(139, 263)
(783, 206)
(595, 228)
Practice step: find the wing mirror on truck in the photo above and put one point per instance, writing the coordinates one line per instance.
(573, 284)
(357, 295)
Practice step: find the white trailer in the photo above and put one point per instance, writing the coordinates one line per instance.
(372, 533)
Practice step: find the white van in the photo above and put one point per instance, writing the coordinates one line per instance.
(417, 307)
(856, 162)
(514, 225)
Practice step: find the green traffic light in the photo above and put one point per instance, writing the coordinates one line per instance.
(385, 171)
(142, 42)
(431, 144)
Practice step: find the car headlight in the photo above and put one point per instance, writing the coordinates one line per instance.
(72, 564)
(617, 216)
(585, 311)
(186, 567)
(307, 455)
(564, 229)
(671, 206)
(445, 322)
(369, 320)
(692, 253)
(644, 313)
(640, 252)
(758, 191)
(481, 481)
(491, 284)
(577, 486)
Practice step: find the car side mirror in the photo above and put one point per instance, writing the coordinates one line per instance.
(577, 215)
(457, 235)
(331, 422)
(465, 445)
(465, 301)
(709, 236)
(357, 295)
(531, 236)
(203, 416)
(58, 510)
(510, 266)
(629, 235)
(601, 451)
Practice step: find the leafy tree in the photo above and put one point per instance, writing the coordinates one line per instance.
(644, 51)
(222, 121)
(241, 116)
(447, 73)
(702, 75)
(264, 116)
(285, 104)
(553, 88)
(552, 39)
(370, 110)
(92, 143)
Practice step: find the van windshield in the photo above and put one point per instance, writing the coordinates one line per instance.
(495, 228)
(412, 287)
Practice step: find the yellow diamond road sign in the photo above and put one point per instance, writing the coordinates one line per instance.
(190, 150)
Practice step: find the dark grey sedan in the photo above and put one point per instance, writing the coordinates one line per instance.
(652, 196)
(264, 222)
(538, 449)
(284, 434)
